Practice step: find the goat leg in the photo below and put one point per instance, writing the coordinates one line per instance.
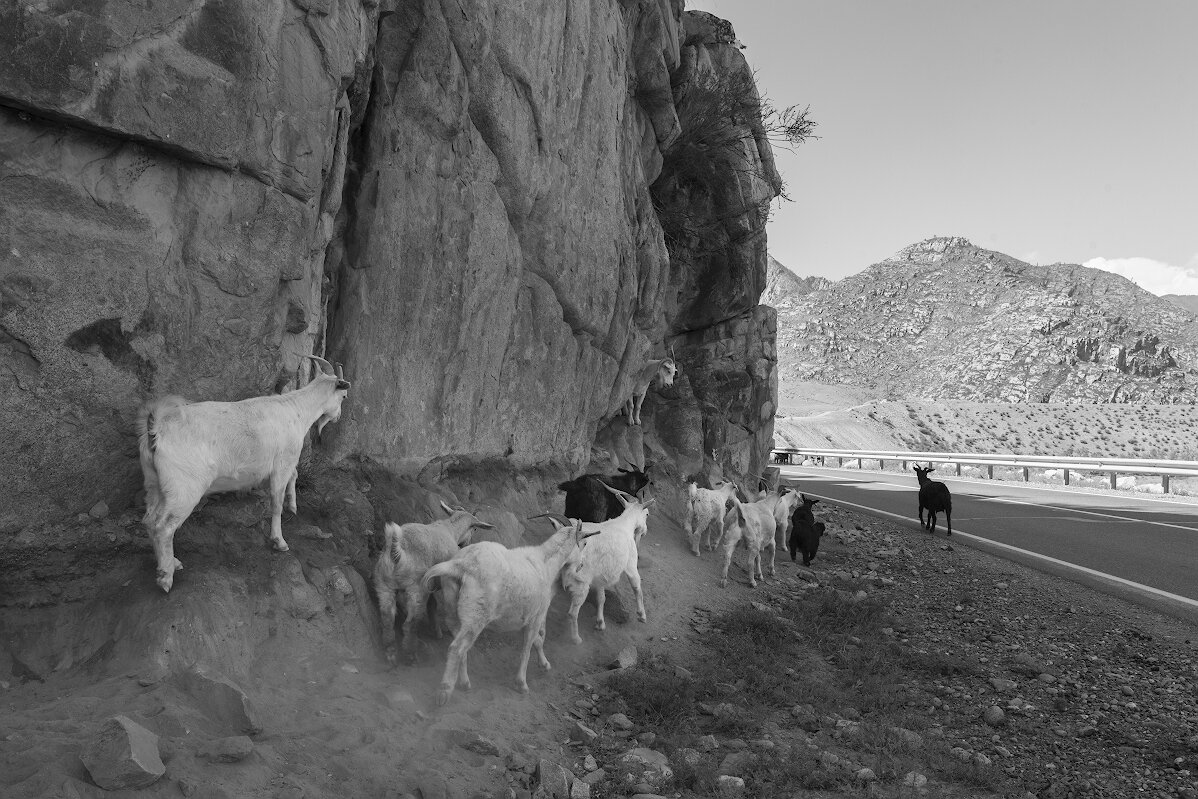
(634, 577)
(278, 488)
(576, 600)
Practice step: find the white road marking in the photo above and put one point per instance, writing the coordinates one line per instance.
(1010, 484)
(1009, 501)
(871, 486)
(1035, 555)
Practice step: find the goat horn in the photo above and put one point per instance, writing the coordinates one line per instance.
(551, 515)
(340, 371)
(623, 496)
(325, 366)
(555, 517)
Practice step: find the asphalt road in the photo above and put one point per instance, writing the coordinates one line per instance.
(1132, 545)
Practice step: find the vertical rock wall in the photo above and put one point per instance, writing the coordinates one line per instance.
(452, 198)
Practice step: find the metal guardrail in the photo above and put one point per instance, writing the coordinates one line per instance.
(1113, 466)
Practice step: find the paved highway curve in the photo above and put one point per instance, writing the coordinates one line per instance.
(1142, 548)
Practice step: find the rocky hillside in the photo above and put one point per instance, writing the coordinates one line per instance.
(943, 319)
(783, 288)
(1187, 301)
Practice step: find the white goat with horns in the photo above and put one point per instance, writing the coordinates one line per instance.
(600, 562)
(189, 449)
(508, 589)
(410, 550)
(663, 370)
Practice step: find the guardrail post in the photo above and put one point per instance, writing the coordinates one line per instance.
(1025, 475)
(839, 462)
(990, 472)
(1066, 476)
(958, 470)
(1114, 481)
(1165, 482)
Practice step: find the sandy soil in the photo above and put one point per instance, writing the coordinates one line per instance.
(337, 721)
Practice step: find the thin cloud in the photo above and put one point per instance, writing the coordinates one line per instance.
(1154, 276)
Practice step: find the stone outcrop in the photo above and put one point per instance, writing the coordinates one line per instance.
(123, 755)
(457, 205)
(943, 319)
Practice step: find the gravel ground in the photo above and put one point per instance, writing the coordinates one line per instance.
(1072, 692)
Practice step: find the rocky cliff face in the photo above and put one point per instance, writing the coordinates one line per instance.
(450, 200)
(943, 319)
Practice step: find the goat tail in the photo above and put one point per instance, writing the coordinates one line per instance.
(392, 540)
(453, 569)
(150, 419)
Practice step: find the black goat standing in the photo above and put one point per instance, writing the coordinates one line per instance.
(933, 497)
(587, 499)
(805, 532)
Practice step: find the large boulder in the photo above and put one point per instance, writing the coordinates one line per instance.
(123, 755)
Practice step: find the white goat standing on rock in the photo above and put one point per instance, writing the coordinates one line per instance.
(189, 449)
(410, 551)
(509, 589)
(605, 558)
(664, 370)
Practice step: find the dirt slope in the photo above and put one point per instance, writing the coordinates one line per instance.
(337, 722)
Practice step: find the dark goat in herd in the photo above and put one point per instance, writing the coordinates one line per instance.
(933, 497)
(587, 499)
(805, 532)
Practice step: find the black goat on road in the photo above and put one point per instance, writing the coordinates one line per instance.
(933, 497)
(587, 499)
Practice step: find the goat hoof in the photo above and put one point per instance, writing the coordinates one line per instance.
(577, 639)
(280, 546)
(443, 696)
(642, 617)
(522, 687)
(600, 625)
(165, 581)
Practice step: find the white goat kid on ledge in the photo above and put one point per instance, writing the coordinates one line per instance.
(663, 370)
(189, 449)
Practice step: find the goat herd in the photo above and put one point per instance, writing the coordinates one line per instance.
(188, 450)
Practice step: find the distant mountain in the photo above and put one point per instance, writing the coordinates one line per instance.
(1187, 301)
(943, 319)
(782, 285)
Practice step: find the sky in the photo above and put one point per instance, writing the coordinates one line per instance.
(1062, 131)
